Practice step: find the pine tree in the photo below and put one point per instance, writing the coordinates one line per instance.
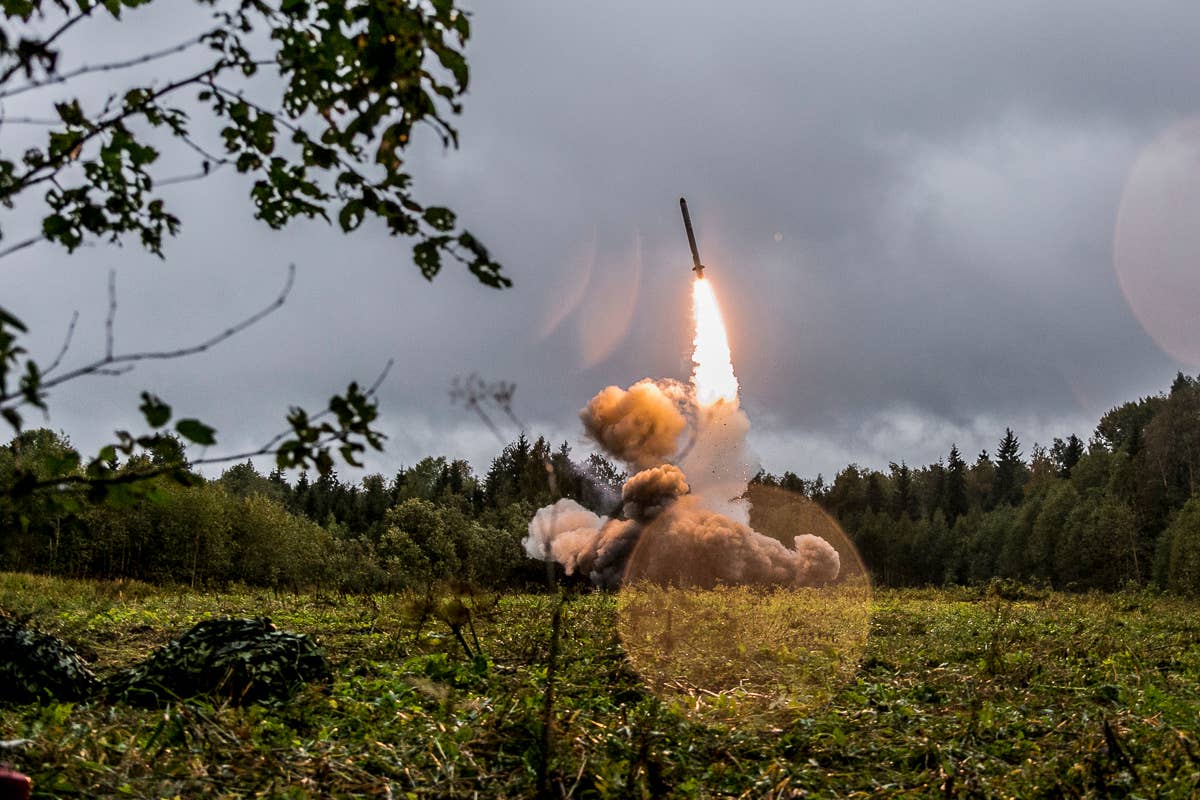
(875, 500)
(933, 486)
(954, 504)
(764, 478)
(904, 501)
(981, 480)
(298, 499)
(1010, 471)
(1066, 454)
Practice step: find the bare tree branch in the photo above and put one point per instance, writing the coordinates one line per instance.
(66, 26)
(8, 251)
(112, 315)
(118, 364)
(136, 476)
(108, 67)
(475, 394)
(65, 345)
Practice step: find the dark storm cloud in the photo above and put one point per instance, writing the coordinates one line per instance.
(908, 211)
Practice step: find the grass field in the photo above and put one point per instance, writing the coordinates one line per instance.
(956, 694)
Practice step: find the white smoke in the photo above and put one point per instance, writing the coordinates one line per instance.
(565, 532)
(718, 463)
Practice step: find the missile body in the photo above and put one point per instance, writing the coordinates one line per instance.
(697, 267)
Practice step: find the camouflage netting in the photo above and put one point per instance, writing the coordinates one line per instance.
(37, 666)
(241, 660)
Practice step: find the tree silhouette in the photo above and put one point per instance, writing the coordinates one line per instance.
(1010, 471)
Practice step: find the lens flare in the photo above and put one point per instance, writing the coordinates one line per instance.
(712, 374)
(747, 653)
(1156, 243)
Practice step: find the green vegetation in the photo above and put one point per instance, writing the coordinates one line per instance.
(431, 522)
(959, 694)
(1119, 510)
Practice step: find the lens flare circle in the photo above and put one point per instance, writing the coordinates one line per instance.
(1156, 241)
(747, 653)
(712, 371)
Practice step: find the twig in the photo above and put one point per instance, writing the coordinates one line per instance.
(65, 345)
(37, 174)
(29, 121)
(196, 176)
(207, 155)
(112, 315)
(66, 26)
(160, 355)
(107, 67)
(8, 251)
(266, 448)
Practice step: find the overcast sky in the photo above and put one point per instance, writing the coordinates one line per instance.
(908, 212)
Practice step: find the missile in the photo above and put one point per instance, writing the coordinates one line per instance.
(698, 268)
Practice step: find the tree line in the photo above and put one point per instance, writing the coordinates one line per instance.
(435, 521)
(1122, 508)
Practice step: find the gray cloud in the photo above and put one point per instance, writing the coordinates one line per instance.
(943, 180)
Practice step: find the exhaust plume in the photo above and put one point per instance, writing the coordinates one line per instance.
(686, 522)
(713, 365)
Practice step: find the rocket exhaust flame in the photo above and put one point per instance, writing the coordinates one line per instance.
(712, 373)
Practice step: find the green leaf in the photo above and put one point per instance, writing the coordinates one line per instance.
(442, 219)
(156, 412)
(196, 431)
(428, 257)
(351, 215)
(11, 321)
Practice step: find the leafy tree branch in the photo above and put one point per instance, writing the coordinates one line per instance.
(353, 79)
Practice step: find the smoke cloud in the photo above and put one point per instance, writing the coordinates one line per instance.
(689, 545)
(649, 492)
(685, 521)
(565, 532)
(641, 425)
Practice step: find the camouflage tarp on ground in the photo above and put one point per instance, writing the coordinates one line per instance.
(241, 660)
(37, 666)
